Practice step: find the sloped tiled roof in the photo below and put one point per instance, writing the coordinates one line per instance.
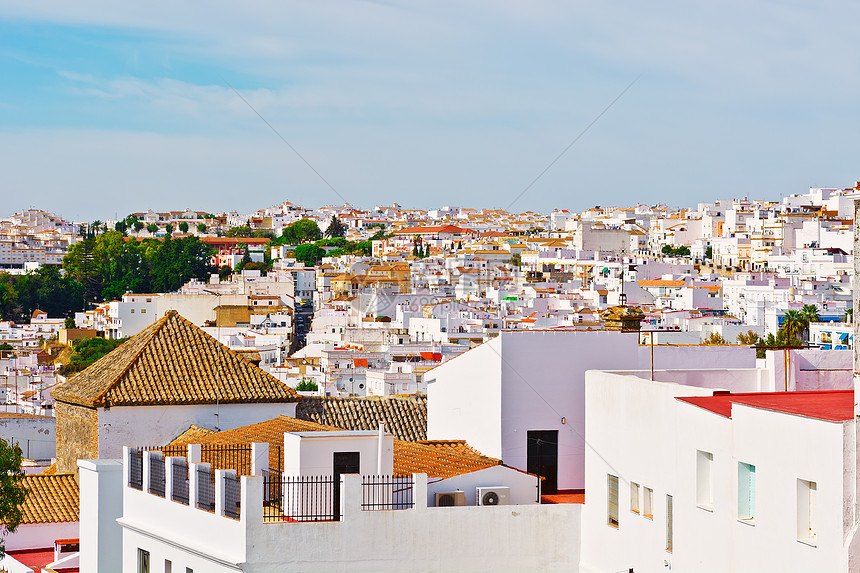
(172, 362)
(191, 436)
(405, 416)
(50, 499)
(431, 458)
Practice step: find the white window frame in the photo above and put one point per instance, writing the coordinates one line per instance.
(648, 502)
(807, 497)
(704, 480)
(746, 493)
(612, 501)
(634, 497)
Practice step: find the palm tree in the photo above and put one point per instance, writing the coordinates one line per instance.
(810, 314)
(793, 323)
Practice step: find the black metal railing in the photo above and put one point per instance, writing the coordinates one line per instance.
(232, 496)
(206, 489)
(156, 476)
(218, 456)
(387, 492)
(300, 498)
(180, 486)
(135, 468)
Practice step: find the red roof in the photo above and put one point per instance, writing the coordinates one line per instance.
(429, 230)
(831, 405)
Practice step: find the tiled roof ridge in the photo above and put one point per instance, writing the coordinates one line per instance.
(153, 329)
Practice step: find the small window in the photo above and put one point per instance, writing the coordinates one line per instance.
(669, 524)
(143, 311)
(806, 501)
(612, 500)
(132, 311)
(648, 502)
(189, 570)
(746, 493)
(168, 566)
(142, 561)
(634, 497)
(704, 488)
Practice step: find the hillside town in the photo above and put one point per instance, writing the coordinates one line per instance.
(386, 383)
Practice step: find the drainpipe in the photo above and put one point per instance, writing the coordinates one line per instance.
(379, 448)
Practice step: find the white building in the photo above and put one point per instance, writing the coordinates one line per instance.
(691, 479)
(526, 388)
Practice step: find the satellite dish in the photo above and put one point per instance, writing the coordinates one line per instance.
(490, 498)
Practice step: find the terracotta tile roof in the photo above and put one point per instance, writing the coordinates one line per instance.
(436, 459)
(172, 362)
(51, 470)
(50, 499)
(191, 436)
(404, 416)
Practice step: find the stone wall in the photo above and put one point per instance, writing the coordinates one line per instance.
(77, 436)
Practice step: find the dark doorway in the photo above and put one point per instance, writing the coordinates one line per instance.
(344, 463)
(542, 452)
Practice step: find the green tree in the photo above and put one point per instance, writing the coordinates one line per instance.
(121, 226)
(183, 227)
(709, 253)
(335, 228)
(168, 229)
(749, 338)
(810, 314)
(715, 338)
(516, 260)
(310, 255)
(201, 228)
(240, 231)
(306, 231)
(12, 491)
(152, 228)
(793, 324)
(69, 323)
(138, 225)
(306, 385)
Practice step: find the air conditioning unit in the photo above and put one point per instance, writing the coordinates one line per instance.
(450, 498)
(494, 495)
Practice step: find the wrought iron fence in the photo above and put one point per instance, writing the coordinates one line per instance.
(179, 491)
(206, 489)
(300, 498)
(135, 468)
(232, 496)
(386, 492)
(156, 476)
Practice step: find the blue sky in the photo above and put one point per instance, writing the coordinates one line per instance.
(113, 107)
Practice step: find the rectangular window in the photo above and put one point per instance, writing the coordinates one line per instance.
(746, 493)
(132, 311)
(612, 500)
(704, 488)
(142, 561)
(669, 524)
(648, 502)
(143, 311)
(806, 500)
(168, 566)
(634, 497)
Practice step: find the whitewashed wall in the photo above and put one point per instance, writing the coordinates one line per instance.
(523, 486)
(36, 436)
(157, 425)
(500, 538)
(41, 535)
(639, 432)
(533, 379)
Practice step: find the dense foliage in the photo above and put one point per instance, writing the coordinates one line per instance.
(682, 251)
(87, 351)
(12, 492)
(44, 289)
(108, 265)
